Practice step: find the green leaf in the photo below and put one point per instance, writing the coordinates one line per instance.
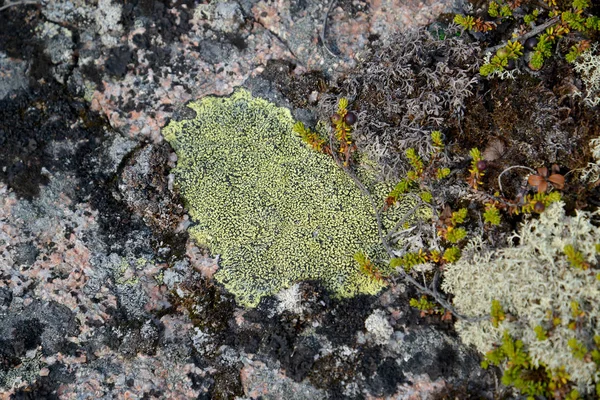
(487, 69)
(493, 9)
(576, 258)
(466, 21)
(451, 254)
(505, 11)
(492, 215)
(581, 4)
(455, 235)
(442, 173)
(497, 313)
(540, 333)
(342, 104)
(436, 139)
(577, 348)
(426, 197)
(458, 217)
(475, 154)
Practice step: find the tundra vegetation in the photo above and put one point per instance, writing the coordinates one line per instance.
(446, 160)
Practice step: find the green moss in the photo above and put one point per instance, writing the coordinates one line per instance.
(276, 211)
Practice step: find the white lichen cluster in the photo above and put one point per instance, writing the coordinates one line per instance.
(536, 285)
(588, 67)
(203, 342)
(591, 173)
(108, 17)
(290, 300)
(224, 16)
(378, 327)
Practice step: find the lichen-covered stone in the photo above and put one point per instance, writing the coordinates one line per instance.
(379, 327)
(276, 211)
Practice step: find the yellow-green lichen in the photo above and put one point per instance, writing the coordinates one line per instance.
(276, 211)
(126, 273)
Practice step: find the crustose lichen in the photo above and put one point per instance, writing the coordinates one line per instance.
(275, 210)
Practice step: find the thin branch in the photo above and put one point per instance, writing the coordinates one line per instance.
(324, 30)
(440, 299)
(362, 188)
(17, 3)
(508, 169)
(532, 33)
(434, 281)
(394, 230)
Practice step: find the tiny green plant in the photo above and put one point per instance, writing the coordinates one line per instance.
(499, 9)
(426, 306)
(540, 333)
(471, 24)
(577, 348)
(421, 173)
(539, 202)
(497, 313)
(575, 257)
(540, 29)
(447, 226)
(451, 254)
(532, 17)
(412, 177)
(502, 58)
(454, 235)
(342, 122)
(577, 49)
(492, 214)
(311, 138)
(367, 267)
(476, 171)
(409, 260)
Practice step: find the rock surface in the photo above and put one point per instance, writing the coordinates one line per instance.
(102, 294)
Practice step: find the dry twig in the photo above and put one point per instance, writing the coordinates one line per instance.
(17, 3)
(523, 38)
(324, 30)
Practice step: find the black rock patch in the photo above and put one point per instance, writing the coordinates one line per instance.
(116, 64)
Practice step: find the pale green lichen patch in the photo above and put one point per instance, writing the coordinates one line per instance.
(276, 211)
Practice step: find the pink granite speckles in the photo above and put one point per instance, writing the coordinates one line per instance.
(276, 30)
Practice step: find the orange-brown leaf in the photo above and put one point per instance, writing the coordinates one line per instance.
(535, 180)
(542, 187)
(557, 180)
(447, 316)
(543, 171)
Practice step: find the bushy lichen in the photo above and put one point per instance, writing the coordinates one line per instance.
(414, 83)
(588, 66)
(537, 294)
(276, 211)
